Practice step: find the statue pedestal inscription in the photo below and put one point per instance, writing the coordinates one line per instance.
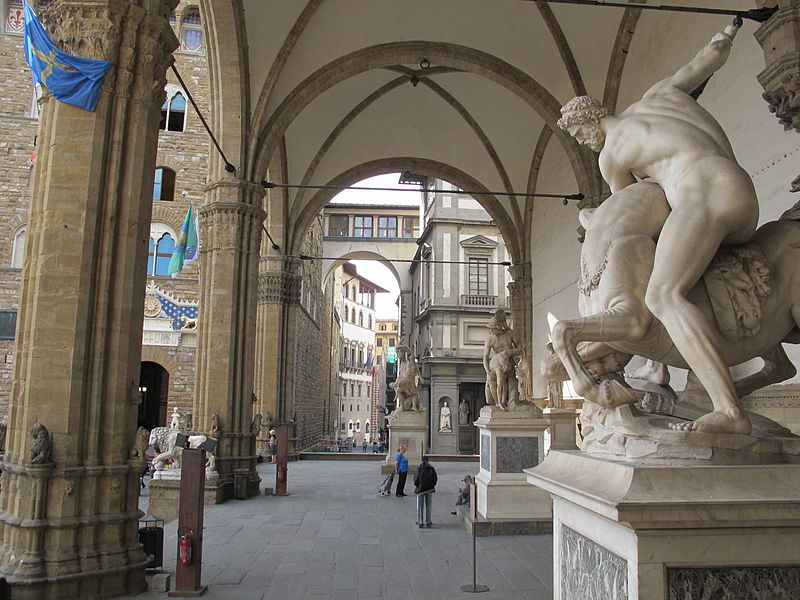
(511, 441)
(563, 431)
(410, 429)
(657, 531)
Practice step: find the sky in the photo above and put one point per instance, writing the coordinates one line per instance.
(385, 306)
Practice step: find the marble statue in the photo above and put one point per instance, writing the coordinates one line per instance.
(445, 425)
(524, 379)
(41, 445)
(185, 423)
(215, 423)
(176, 417)
(463, 412)
(158, 437)
(619, 252)
(406, 386)
(255, 425)
(499, 354)
(555, 389)
(669, 139)
(172, 454)
(140, 444)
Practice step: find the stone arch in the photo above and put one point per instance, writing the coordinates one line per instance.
(267, 135)
(329, 266)
(157, 355)
(511, 234)
(167, 215)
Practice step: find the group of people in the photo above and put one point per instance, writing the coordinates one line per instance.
(425, 479)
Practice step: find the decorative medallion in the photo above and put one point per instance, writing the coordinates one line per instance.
(152, 306)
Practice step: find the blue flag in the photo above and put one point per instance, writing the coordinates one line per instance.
(71, 79)
(187, 247)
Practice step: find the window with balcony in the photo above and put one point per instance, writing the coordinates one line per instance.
(362, 227)
(478, 283)
(387, 227)
(338, 225)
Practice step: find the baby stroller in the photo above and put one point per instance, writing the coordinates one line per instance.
(385, 488)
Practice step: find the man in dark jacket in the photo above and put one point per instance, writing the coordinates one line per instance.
(424, 487)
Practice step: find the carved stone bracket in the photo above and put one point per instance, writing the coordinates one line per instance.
(279, 288)
(780, 39)
(231, 225)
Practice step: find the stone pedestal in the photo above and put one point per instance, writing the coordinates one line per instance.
(511, 441)
(562, 422)
(408, 428)
(637, 531)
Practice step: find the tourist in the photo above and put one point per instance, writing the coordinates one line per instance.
(273, 447)
(463, 492)
(401, 466)
(364, 445)
(424, 487)
(375, 447)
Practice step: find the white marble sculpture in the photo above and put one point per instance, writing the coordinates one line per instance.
(176, 417)
(499, 354)
(445, 423)
(463, 412)
(406, 386)
(171, 456)
(618, 251)
(668, 138)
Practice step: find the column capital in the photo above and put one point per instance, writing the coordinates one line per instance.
(780, 39)
(520, 271)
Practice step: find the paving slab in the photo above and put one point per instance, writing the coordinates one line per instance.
(333, 537)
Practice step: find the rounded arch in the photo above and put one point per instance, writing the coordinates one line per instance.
(268, 133)
(156, 355)
(512, 235)
(329, 266)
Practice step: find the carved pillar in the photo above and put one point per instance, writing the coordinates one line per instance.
(231, 233)
(278, 301)
(521, 291)
(81, 310)
(779, 36)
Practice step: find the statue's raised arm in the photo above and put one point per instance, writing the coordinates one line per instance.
(705, 63)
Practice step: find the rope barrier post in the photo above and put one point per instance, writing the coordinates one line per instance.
(475, 587)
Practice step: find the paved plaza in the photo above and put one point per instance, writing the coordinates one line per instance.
(335, 537)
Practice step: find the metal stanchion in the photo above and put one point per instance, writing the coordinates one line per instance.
(475, 587)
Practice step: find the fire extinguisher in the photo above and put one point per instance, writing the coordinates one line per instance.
(185, 547)
(281, 473)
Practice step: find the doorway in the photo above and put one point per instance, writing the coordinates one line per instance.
(153, 389)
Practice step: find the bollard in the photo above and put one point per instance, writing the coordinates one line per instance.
(188, 569)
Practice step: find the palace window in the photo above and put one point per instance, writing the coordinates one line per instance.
(379, 342)
(18, 248)
(478, 276)
(159, 254)
(164, 185)
(338, 225)
(8, 323)
(366, 427)
(387, 227)
(173, 113)
(391, 342)
(191, 31)
(410, 227)
(362, 227)
(361, 319)
(342, 407)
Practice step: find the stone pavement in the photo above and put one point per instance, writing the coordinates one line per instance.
(334, 537)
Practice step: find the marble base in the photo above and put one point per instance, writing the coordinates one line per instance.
(635, 531)
(165, 494)
(408, 428)
(510, 441)
(563, 427)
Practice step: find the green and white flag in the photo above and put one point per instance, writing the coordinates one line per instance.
(187, 248)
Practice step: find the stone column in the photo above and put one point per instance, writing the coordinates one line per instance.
(278, 301)
(231, 237)
(81, 311)
(521, 291)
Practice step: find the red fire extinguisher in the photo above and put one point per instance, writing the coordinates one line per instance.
(281, 473)
(185, 547)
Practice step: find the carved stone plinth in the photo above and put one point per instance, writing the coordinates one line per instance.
(511, 441)
(562, 421)
(410, 429)
(625, 531)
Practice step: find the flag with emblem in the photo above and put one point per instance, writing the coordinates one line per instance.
(71, 79)
(186, 249)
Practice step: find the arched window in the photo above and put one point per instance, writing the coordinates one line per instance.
(173, 113)
(358, 425)
(366, 427)
(360, 318)
(345, 313)
(342, 407)
(191, 31)
(18, 249)
(164, 185)
(164, 249)
(369, 322)
(350, 425)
